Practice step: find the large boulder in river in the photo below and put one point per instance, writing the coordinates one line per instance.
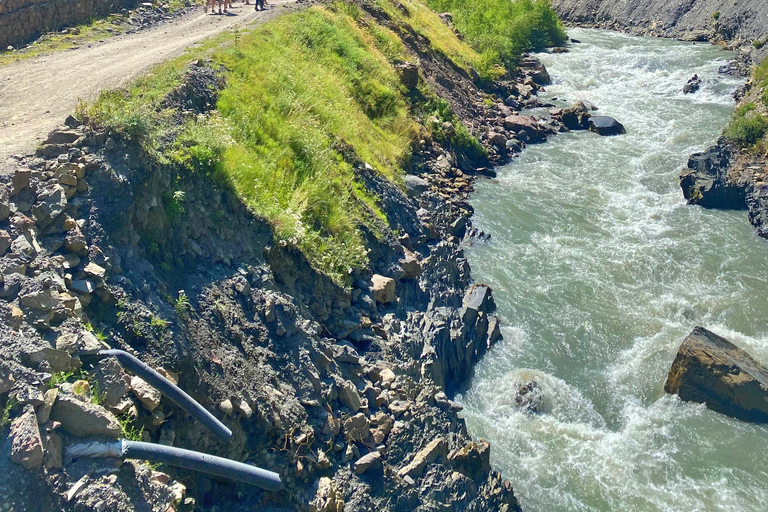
(711, 370)
(605, 126)
(708, 182)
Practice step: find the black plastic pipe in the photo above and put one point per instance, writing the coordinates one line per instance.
(172, 391)
(178, 457)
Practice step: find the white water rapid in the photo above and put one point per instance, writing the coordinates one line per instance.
(600, 270)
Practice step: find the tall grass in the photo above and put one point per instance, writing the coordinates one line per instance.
(503, 29)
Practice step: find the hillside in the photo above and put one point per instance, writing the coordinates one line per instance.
(277, 219)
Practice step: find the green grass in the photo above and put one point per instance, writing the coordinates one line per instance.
(748, 126)
(503, 29)
(302, 93)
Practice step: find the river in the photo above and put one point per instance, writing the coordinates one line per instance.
(600, 270)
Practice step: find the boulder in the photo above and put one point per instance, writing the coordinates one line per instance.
(326, 498)
(349, 396)
(5, 208)
(527, 124)
(711, 370)
(473, 460)
(410, 265)
(57, 360)
(693, 85)
(605, 126)
(409, 74)
(51, 201)
(111, 380)
(479, 298)
(383, 288)
(81, 418)
(529, 397)
(147, 395)
(357, 428)
(368, 462)
(436, 449)
(415, 186)
(26, 444)
(706, 181)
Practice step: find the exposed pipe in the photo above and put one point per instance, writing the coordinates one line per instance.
(178, 457)
(170, 390)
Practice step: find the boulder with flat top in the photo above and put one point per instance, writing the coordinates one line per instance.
(711, 370)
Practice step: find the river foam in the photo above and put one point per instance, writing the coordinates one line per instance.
(600, 270)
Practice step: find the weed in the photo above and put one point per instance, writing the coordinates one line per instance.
(747, 127)
(5, 417)
(181, 305)
(128, 430)
(158, 324)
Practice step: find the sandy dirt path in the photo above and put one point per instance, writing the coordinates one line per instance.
(37, 94)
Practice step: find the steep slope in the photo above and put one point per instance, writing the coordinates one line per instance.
(695, 20)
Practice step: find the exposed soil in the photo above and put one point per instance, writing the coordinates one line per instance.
(37, 94)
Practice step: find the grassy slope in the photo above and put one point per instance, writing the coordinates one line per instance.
(298, 89)
(749, 126)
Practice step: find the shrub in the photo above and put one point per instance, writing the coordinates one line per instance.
(746, 130)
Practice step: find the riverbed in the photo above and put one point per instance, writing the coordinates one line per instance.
(600, 270)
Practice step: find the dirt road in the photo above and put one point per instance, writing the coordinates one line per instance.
(37, 94)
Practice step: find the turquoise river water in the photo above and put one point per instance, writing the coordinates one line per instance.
(600, 270)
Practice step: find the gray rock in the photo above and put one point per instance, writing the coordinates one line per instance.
(112, 381)
(5, 241)
(415, 186)
(51, 201)
(57, 360)
(84, 418)
(368, 462)
(605, 126)
(349, 396)
(436, 449)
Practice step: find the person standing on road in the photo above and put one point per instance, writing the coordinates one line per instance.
(259, 3)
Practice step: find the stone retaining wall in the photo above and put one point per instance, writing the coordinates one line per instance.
(23, 20)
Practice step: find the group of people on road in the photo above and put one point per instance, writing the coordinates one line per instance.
(224, 5)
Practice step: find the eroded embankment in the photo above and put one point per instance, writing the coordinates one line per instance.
(157, 222)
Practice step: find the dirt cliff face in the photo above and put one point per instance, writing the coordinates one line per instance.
(695, 20)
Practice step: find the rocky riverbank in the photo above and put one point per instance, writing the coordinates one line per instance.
(689, 20)
(345, 392)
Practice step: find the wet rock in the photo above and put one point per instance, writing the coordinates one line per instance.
(147, 395)
(472, 460)
(706, 182)
(369, 462)
(438, 448)
(526, 124)
(26, 444)
(711, 370)
(693, 85)
(529, 397)
(606, 126)
(480, 298)
(81, 418)
(383, 288)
